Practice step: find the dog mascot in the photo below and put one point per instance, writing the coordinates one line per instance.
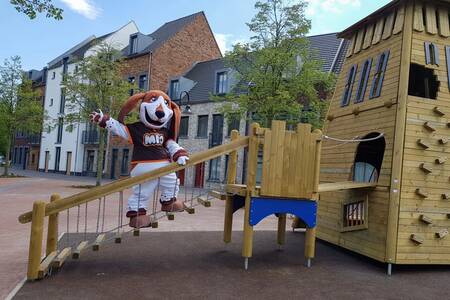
(154, 140)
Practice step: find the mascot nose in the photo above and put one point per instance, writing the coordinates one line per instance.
(160, 114)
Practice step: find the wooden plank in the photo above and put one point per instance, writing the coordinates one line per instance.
(61, 258)
(36, 237)
(359, 40)
(378, 31)
(388, 26)
(45, 264)
(346, 185)
(351, 46)
(397, 160)
(267, 148)
(81, 246)
(444, 27)
(122, 184)
(286, 161)
(399, 20)
(431, 22)
(279, 130)
(418, 17)
(217, 195)
(292, 170)
(98, 241)
(203, 200)
(52, 229)
(369, 35)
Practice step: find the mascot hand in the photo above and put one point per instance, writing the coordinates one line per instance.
(96, 117)
(182, 160)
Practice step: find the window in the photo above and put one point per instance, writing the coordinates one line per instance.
(355, 215)
(143, 82)
(349, 86)
(57, 158)
(51, 102)
(431, 54)
(33, 158)
(53, 75)
(233, 123)
(131, 80)
(90, 157)
(447, 55)
(377, 82)
(221, 83)
(202, 126)
(133, 44)
(125, 160)
(62, 104)
(65, 65)
(214, 169)
(174, 91)
(422, 82)
(184, 127)
(368, 159)
(60, 130)
(363, 78)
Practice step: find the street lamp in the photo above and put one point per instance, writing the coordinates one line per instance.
(187, 109)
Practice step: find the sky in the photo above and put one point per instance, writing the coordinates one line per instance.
(40, 40)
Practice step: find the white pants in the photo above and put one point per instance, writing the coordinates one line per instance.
(168, 186)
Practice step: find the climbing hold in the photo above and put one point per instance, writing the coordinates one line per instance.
(422, 193)
(438, 111)
(429, 126)
(427, 168)
(442, 233)
(443, 141)
(417, 239)
(426, 219)
(441, 160)
(423, 143)
(446, 196)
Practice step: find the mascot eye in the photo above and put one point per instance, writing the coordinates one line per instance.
(166, 102)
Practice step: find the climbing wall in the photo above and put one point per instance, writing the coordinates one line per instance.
(424, 218)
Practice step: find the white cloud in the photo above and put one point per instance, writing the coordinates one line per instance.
(226, 41)
(84, 7)
(332, 6)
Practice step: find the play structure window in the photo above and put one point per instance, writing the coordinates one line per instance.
(355, 216)
(422, 82)
(378, 77)
(431, 54)
(363, 78)
(447, 55)
(349, 85)
(368, 160)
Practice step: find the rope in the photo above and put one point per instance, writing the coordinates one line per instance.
(78, 218)
(103, 213)
(98, 214)
(85, 220)
(354, 140)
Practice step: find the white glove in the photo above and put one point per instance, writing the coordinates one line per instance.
(182, 160)
(96, 117)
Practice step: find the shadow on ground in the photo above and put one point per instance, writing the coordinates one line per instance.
(197, 265)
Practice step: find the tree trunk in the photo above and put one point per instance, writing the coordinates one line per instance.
(7, 154)
(101, 148)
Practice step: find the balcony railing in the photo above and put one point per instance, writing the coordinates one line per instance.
(90, 137)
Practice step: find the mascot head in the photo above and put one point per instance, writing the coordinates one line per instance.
(156, 110)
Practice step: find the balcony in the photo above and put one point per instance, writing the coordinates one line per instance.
(34, 139)
(90, 137)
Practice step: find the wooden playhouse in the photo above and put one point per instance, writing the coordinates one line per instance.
(394, 91)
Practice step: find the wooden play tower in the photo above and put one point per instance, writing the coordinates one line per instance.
(394, 91)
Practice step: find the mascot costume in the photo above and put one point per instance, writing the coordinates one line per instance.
(154, 140)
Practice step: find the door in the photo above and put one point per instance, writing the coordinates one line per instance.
(217, 131)
(25, 158)
(57, 158)
(68, 162)
(90, 157)
(199, 175)
(181, 175)
(115, 156)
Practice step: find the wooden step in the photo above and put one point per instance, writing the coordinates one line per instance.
(61, 258)
(203, 200)
(218, 195)
(81, 246)
(98, 241)
(46, 263)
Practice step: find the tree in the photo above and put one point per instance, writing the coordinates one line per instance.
(20, 106)
(31, 7)
(96, 83)
(275, 72)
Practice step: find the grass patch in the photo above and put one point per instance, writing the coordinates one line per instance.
(83, 186)
(12, 176)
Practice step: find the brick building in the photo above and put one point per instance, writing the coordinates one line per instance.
(25, 150)
(151, 60)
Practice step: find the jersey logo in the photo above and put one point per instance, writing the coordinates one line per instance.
(153, 139)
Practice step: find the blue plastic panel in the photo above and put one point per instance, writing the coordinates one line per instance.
(304, 209)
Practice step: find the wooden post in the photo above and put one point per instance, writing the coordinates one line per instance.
(36, 237)
(52, 232)
(251, 184)
(310, 244)
(231, 179)
(281, 235)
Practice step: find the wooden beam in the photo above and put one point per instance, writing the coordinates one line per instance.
(52, 231)
(399, 138)
(399, 20)
(123, 184)
(36, 237)
(217, 195)
(345, 185)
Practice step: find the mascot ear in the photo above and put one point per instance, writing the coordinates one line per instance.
(129, 105)
(176, 120)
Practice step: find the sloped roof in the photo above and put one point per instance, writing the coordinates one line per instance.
(327, 48)
(161, 35)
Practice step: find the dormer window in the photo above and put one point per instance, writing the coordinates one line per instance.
(431, 54)
(221, 83)
(174, 91)
(133, 44)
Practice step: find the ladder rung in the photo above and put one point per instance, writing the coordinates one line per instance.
(45, 264)
(81, 246)
(61, 258)
(98, 241)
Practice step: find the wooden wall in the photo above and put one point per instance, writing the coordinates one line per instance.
(372, 115)
(427, 248)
